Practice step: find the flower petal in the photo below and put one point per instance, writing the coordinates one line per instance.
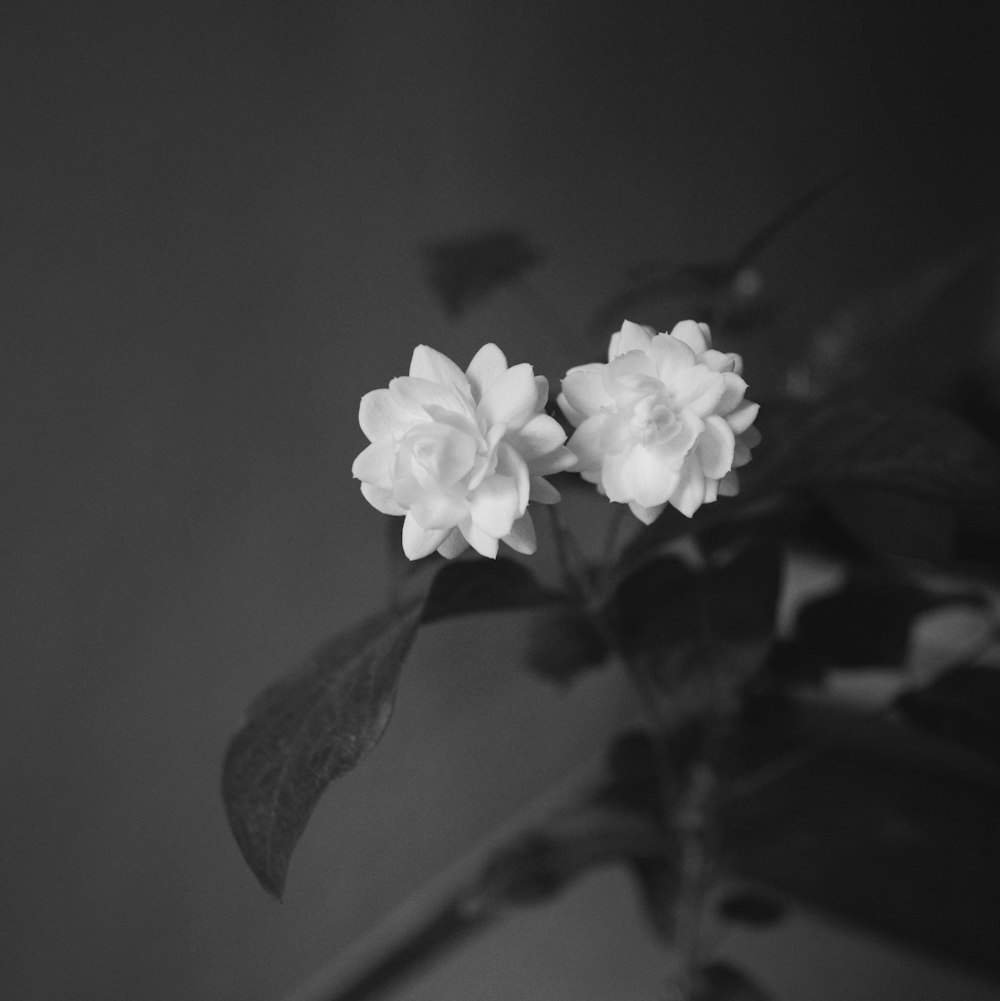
(380, 414)
(586, 444)
(438, 510)
(542, 492)
(374, 464)
(732, 397)
(495, 506)
(743, 416)
(631, 337)
(429, 364)
(419, 542)
(695, 335)
(729, 485)
(670, 354)
(540, 436)
(381, 499)
(488, 364)
(412, 393)
(699, 389)
(690, 492)
(583, 393)
(716, 447)
(483, 543)
(521, 538)
(510, 398)
(453, 545)
(647, 515)
(647, 478)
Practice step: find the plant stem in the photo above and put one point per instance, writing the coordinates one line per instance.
(692, 824)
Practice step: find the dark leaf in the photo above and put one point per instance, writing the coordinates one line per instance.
(870, 821)
(464, 271)
(563, 644)
(696, 289)
(865, 622)
(305, 731)
(725, 982)
(877, 335)
(752, 907)
(700, 634)
(467, 586)
(892, 444)
(886, 521)
(961, 706)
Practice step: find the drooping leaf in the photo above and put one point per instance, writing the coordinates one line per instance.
(306, 730)
(463, 271)
(961, 706)
(467, 586)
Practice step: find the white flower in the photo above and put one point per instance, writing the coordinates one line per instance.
(663, 422)
(461, 454)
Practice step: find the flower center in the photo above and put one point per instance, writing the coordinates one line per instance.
(441, 455)
(653, 420)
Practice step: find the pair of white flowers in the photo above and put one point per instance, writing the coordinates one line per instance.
(462, 454)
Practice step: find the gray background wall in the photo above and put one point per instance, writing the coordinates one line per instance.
(210, 218)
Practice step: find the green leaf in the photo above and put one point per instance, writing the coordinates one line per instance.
(306, 730)
(463, 271)
(468, 586)
(961, 706)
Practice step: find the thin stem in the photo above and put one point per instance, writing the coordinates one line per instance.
(692, 823)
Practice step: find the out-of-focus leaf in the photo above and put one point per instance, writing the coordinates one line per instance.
(873, 338)
(752, 906)
(306, 730)
(961, 706)
(463, 271)
(865, 622)
(563, 644)
(699, 634)
(725, 982)
(893, 444)
(703, 290)
(467, 586)
(869, 820)
(885, 521)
